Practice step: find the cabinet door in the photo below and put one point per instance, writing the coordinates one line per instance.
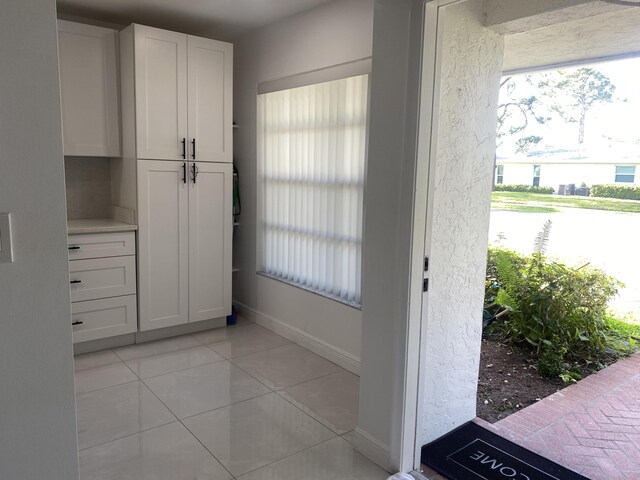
(210, 70)
(163, 250)
(89, 90)
(161, 92)
(210, 237)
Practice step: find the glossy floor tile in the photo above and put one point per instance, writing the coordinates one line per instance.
(104, 376)
(251, 434)
(93, 360)
(165, 453)
(332, 460)
(200, 389)
(170, 362)
(332, 400)
(114, 412)
(285, 366)
(148, 349)
(264, 408)
(242, 339)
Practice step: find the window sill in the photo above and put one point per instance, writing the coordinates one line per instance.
(355, 306)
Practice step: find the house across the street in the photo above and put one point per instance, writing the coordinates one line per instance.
(552, 168)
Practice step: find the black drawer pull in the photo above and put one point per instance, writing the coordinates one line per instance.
(77, 322)
(75, 281)
(74, 247)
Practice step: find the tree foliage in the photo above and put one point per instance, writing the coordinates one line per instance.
(574, 93)
(515, 114)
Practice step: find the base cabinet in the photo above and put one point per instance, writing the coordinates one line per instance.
(185, 234)
(102, 275)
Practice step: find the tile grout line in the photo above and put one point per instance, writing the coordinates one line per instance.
(190, 432)
(301, 451)
(184, 369)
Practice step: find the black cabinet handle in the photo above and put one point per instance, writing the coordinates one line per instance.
(193, 148)
(77, 322)
(184, 172)
(194, 172)
(75, 281)
(184, 148)
(74, 247)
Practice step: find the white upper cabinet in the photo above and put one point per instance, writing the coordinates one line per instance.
(89, 90)
(161, 93)
(183, 95)
(210, 65)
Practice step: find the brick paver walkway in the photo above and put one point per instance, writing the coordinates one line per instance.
(592, 427)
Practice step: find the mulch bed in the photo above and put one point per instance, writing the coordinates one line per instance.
(509, 381)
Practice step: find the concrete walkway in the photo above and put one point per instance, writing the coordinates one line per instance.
(592, 427)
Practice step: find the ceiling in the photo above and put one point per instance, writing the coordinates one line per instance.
(220, 19)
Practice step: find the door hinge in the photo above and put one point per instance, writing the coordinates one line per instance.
(425, 285)
(426, 264)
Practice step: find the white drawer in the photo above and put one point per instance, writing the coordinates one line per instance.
(97, 245)
(102, 278)
(103, 318)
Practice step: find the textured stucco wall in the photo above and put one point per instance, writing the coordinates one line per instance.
(607, 35)
(471, 64)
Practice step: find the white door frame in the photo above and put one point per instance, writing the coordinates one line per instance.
(410, 448)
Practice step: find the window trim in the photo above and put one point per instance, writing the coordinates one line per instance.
(631, 176)
(321, 75)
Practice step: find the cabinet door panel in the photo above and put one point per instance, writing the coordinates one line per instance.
(210, 69)
(161, 92)
(210, 237)
(163, 254)
(89, 90)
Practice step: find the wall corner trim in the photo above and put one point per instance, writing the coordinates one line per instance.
(371, 448)
(336, 355)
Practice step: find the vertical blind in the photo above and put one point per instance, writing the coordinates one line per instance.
(311, 147)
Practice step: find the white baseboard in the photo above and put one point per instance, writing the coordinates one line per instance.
(334, 354)
(371, 448)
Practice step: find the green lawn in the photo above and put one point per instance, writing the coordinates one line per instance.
(536, 202)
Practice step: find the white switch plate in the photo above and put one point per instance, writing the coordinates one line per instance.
(6, 249)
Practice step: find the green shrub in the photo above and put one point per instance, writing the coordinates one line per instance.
(523, 188)
(558, 312)
(616, 191)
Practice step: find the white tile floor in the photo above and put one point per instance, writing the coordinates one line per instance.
(237, 402)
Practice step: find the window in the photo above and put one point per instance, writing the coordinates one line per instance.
(536, 175)
(626, 174)
(311, 147)
(500, 174)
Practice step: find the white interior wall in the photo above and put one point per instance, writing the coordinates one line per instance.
(470, 65)
(37, 405)
(332, 34)
(386, 422)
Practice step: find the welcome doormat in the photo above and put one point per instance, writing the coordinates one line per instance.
(474, 453)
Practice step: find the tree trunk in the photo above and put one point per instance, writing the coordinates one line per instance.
(583, 117)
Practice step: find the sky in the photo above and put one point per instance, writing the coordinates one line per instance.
(619, 120)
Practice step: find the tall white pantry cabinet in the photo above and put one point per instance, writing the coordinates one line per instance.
(177, 128)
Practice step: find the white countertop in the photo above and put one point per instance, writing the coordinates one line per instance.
(98, 225)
